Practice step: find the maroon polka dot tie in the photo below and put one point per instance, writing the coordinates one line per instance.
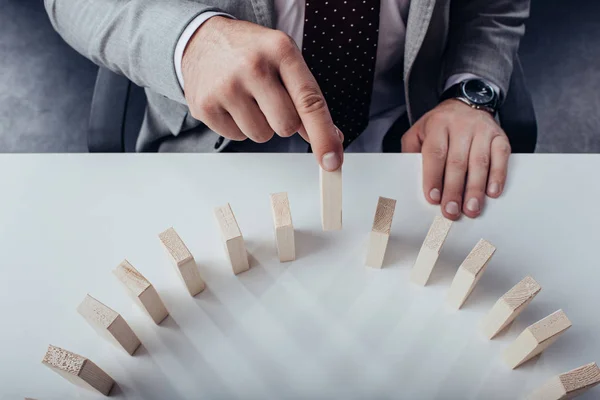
(340, 48)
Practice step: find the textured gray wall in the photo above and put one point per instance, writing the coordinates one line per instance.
(46, 87)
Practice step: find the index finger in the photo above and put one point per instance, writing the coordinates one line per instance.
(312, 109)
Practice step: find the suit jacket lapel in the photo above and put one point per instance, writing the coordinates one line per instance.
(264, 11)
(419, 16)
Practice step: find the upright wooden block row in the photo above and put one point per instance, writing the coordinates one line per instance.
(233, 239)
(183, 261)
(509, 306)
(536, 338)
(469, 273)
(569, 385)
(284, 229)
(109, 324)
(331, 199)
(78, 370)
(430, 250)
(142, 291)
(380, 233)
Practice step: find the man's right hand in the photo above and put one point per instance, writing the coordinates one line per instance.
(247, 81)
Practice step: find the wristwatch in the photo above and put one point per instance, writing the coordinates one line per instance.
(476, 93)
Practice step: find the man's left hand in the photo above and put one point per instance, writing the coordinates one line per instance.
(465, 157)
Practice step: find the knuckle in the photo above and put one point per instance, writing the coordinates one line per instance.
(457, 162)
(311, 100)
(257, 66)
(262, 137)
(481, 160)
(204, 108)
(283, 44)
(437, 152)
(504, 148)
(290, 128)
(229, 88)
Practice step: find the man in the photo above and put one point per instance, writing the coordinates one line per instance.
(246, 69)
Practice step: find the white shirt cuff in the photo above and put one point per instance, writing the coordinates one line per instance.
(456, 78)
(185, 37)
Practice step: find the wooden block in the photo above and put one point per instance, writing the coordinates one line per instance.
(380, 233)
(142, 291)
(469, 273)
(331, 199)
(536, 338)
(109, 324)
(183, 261)
(284, 229)
(430, 250)
(509, 306)
(233, 239)
(78, 370)
(569, 385)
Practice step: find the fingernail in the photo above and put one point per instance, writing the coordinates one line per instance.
(473, 205)
(494, 188)
(452, 208)
(330, 161)
(435, 195)
(339, 133)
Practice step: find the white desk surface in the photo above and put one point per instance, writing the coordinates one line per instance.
(322, 327)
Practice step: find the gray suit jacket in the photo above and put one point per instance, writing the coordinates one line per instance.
(137, 38)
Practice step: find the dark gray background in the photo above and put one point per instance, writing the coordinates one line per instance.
(46, 87)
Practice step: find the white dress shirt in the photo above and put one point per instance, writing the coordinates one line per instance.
(387, 101)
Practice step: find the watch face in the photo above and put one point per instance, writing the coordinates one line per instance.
(478, 92)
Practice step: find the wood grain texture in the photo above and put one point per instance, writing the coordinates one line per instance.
(536, 338)
(142, 291)
(569, 384)
(235, 246)
(284, 229)
(109, 324)
(469, 273)
(509, 306)
(183, 260)
(78, 370)
(380, 232)
(430, 250)
(331, 199)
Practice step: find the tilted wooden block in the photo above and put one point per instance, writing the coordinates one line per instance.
(78, 370)
(536, 338)
(109, 324)
(430, 250)
(331, 199)
(183, 261)
(509, 306)
(380, 233)
(233, 239)
(569, 385)
(284, 229)
(142, 291)
(469, 273)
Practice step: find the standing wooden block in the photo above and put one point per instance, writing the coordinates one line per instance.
(569, 385)
(331, 199)
(233, 239)
(469, 273)
(509, 306)
(536, 338)
(430, 250)
(108, 323)
(284, 229)
(142, 291)
(78, 370)
(183, 261)
(380, 233)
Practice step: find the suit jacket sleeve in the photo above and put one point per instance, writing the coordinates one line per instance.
(136, 38)
(484, 37)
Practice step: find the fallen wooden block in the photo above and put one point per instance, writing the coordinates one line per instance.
(233, 239)
(536, 338)
(569, 385)
(78, 370)
(380, 232)
(509, 306)
(142, 291)
(430, 250)
(284, 229)
(109, 324)
(183, 261)
(469, 273)
(331, 199)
